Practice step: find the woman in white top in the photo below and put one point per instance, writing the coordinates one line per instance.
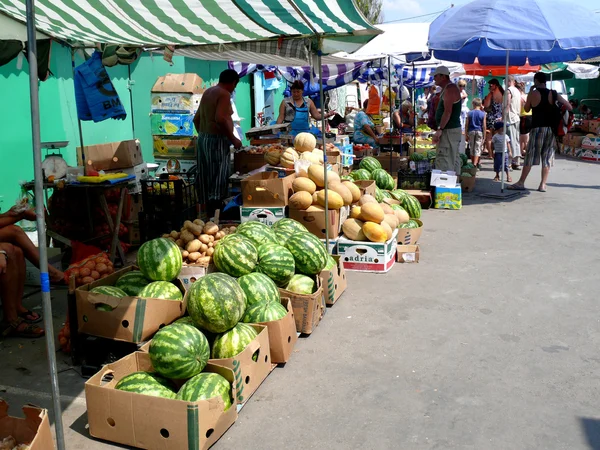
(464, 107)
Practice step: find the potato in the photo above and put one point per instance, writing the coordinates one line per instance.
(101, 268)
(211, 244)
(90, 265)
(232, 229)
(196, 230)
(95, 275)
(211, 238)
(166, 236)
(204, 238)
(204, 260)
(85, 272)
(180, 243)
(175, 234)
(199, 222)
(203, 248)
(187, 223)
(193, 257)
(86, 280)
(219, 235)
(210, 251)
(187, 236)
(185, 254)
(211, 228)
(193, 246)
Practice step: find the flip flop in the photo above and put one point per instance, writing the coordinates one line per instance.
(15, 329)
(515, 187)
(26, 314)
(541, 189)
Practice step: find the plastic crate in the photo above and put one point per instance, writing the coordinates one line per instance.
(417, 181)
(167, 204)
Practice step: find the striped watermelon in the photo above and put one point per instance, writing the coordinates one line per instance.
(360, 174)
(378, 194)
(109, 290)
(258, 288)
(290, 225)
(233, 342)
(410, 224)
(397, 207)
(386, 194)
(132, 282)
(146, 383)
(370, 164)
(179, 351)
(276, 262)
(264, 312)
(216, 302)
(412, 206)
(398, 194)
(330, 263)
(163, 290)
(205, 386)
(235, 256)
(159, 259)
(301, 284)
(282, 236)
(257, 232)
(309, 253)
(382, 179)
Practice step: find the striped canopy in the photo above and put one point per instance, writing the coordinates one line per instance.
(193, 22)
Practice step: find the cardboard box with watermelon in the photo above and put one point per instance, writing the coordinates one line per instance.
(32, 430)
(334, 281)
(308, 308)
(282, 334)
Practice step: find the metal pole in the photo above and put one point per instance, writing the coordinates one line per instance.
(504, 119)
(130, 87)
(41, 225)
(78, 119)
(322, 99)
(392, 115)
(414, 107)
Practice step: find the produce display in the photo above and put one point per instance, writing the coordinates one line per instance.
(161, 289)
(301, 284)
(264, 312)
(132, 282)
(233, 342)
(159, 259)
(147, 383)
(258, 288)
(309, 253)
(276, 261)
(236, 256)
(205, 386)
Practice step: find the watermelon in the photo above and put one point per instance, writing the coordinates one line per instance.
(412, 206)
(179, 351)
(233, 342)
(103, 307)
(463, 158)
(205, 386)
(410, 224)
(258, 288)
(276, 262)
(216, 302)
(159, 259)
(386, 194)
(163, 290)
(282, 236)
(397, 207)
(330, 263)
(382, 179)
(132, 282)
(264, 312)
(378, 195)
(257, 232)
(309, 253)
(146, 383)
(235, 256)
(360, 174)
(109, 290)
(418, 157)
(398, 194)
(370, 164)
(293, 226)
(301, 284)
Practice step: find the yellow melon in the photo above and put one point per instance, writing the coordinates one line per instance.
(353, 230)
(367, 199)
(343, 191)
(334, 200)
(300, 200)
(391, 220)
(314, 198)
(402, 216)
(305, 142)
(308, 156)
(315, 208)
(315, 173)
(318, 153)
(387, 209)
(353, 189)
(288, 158)
(388, 230)
(374, 232)
(371, 212)
(355, 212)
(332, 178)
(304, 184)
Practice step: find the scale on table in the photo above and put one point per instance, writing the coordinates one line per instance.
(54, 164)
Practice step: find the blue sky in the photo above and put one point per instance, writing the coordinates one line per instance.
(402, 9)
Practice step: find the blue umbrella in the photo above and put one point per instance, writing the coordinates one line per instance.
(541, 31)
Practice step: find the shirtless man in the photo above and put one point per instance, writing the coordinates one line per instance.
(215, 135)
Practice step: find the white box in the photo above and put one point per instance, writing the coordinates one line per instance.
(443, 179)
(342, 141)
(165, 102)
(267, 215)
(375, 257)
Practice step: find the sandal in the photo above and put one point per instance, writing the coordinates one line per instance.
(19, 328)
(515, 187)
(31, 317)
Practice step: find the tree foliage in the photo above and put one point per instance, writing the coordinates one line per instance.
(372, 10)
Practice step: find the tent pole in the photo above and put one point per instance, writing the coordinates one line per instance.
(391, 114)
(130, 87)
(414, 106)
(41, 223)
(78, 119)
(322, 100)
(504, 119)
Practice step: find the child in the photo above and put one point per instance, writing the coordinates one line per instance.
(475, 126)
(500, 157)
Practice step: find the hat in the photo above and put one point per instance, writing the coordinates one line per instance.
(441, 70)
(498, 125)
(438, 89)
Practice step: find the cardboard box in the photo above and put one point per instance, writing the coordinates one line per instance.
(184, 148)
(588, 155)
(407, 253)
(32, 273)
(366, 187)
(342, 141)
(334, 281)
(590, 143)
(133, 319)
(132, 207)
(184, 165)
(281, 172)
(267, 189)
(468, 183)
(172, 125)
(334, 157)
(244, 162)
(111, 156)
(282, 334)
(372, 257)
(266, 215)
(447, 197)
(409, 236)
(249, 374)
(191, 272)
(315, 220)
(308, 309)
(573, 140)
(189, 83)
(153, 423)
(179, 102)
(594, 126)
(398, 162)
(134, 236)
(33, 429)
(443, 179)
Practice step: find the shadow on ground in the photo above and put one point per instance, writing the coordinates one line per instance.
(591, 429)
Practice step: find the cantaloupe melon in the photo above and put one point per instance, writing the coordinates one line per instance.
(371, 212)
(353, 230)
(343, 191)
(308, 156)
(367, 199)
(334, 200)
(314, 198)
(353, 189)
(304, 184)
(332, 178)
(288, 158)
(355, 212)
(305, 142)
(391, 220)
(315, 173)
(374, 232)
(402, 216)
(300, 200)
(388, 230)
(387, 209)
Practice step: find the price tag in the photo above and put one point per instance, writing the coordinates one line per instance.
(413, 166)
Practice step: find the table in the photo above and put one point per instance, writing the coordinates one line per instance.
(94, 191)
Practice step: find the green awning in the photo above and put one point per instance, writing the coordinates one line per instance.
(191, 22)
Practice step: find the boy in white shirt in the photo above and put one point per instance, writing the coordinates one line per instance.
(500, 157)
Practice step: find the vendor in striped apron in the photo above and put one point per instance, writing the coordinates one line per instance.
(297, 111)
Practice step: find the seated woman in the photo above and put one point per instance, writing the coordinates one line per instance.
(297, 111)
(404, 118)
(17, 321)
(364, 128)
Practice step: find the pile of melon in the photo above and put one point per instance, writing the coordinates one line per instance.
(310, 195)
(372, 221)
(304, 149)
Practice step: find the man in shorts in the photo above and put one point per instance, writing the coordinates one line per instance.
(513, 107)
(475, 126)
(542, 142)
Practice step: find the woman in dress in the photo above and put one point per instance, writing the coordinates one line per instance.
(464, 107)
(493, 106)
(364, 128)
(526, 119)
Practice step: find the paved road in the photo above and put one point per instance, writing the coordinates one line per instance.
(491, 342)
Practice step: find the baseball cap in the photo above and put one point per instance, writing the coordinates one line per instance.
(498, 125)
(441, 70)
